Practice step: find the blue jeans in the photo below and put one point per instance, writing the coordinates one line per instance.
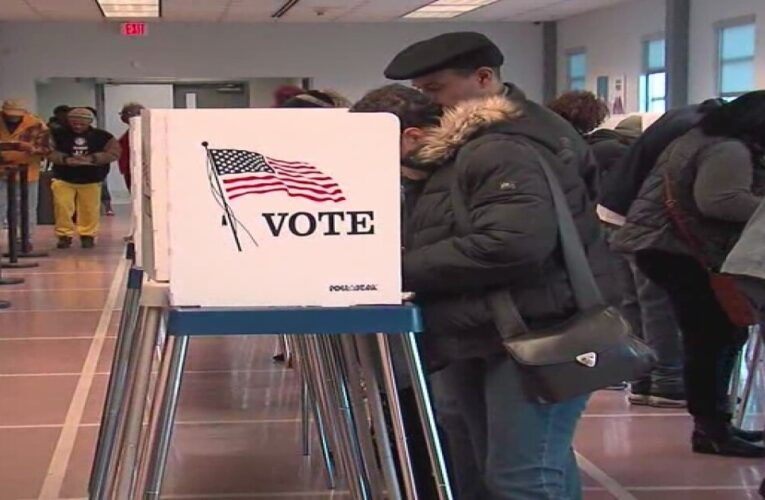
(521, 449)
(648, 308)
(32, 203)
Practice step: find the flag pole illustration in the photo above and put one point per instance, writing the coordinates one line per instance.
(228, 216)
(240, 173)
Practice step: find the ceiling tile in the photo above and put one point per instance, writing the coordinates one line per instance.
(304, 11)
(17, 10)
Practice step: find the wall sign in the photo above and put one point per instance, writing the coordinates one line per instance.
(134, 29)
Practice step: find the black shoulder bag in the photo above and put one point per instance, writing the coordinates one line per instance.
(592, 350)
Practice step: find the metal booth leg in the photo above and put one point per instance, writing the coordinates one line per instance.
(367, 350)
(163, 412)
(348, 361)
(317, 406)
(305, 417)
(397, 421)
(751, 376)
(105, 458)
(329, 392)
(137, 403)
(427, 417)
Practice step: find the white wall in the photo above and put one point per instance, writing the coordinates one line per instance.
(347, 57)
(704, 15)
(613, 40)
(57, 91)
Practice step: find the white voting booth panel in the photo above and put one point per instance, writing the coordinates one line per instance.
(136, 188)
(265, 207)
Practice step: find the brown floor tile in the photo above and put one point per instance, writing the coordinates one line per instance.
(46, 282)
(58, 301)
(24, 458)
(598, 495)
(77, 475)
(240, 458)
(615, 403)
(35, 400)
(47, 323)
(95, 402)
(721, 494)
(107, 355)
(656, 452)
(212, 397)
(43, 356)
(231, 353)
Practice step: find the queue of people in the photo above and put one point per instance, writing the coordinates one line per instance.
(462, 126)
(81, 155)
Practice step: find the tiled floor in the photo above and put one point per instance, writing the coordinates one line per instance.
(237, 433)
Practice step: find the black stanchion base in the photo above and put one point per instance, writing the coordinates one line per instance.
(4, 304)
(11, 281)
(19, 265)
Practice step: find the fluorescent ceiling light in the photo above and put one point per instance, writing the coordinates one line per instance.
(442, 9)
(129, 8)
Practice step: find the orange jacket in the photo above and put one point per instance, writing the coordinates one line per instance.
(31, 130)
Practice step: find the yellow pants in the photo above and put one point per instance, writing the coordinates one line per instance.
(85, 199)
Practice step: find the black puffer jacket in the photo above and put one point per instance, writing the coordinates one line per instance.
(514, 242)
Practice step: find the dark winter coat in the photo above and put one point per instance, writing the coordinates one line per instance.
(513, 243)
(619, 191)
(718, 186)
(610, 147)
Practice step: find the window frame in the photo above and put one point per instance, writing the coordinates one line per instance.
(720, 28)
(580, 51)
(648, 71)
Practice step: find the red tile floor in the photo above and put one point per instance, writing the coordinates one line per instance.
(238, 428)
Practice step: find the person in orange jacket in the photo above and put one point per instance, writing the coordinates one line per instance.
(24, 140)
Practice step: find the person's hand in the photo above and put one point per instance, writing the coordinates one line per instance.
(75, 161)
(26, 147)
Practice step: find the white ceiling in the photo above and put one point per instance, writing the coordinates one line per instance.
(304, 11)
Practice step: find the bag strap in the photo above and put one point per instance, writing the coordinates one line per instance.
(586, 291)
(679, 219)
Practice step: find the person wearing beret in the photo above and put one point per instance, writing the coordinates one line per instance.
(502, 444)
(455, 67)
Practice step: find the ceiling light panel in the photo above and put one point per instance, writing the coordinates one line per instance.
(130, 8)
(444, 9)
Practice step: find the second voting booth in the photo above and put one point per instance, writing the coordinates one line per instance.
(266, 222)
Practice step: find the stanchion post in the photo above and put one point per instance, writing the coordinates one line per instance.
(13, 222)
(26, 233)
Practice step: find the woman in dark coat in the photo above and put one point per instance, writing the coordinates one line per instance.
(715, 172)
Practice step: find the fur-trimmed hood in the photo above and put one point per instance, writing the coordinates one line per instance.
(461, 124)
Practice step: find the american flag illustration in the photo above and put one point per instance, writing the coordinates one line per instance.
(243, 173)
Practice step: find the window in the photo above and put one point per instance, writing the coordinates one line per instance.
(735, 75)
(577, 70)
(653, 81)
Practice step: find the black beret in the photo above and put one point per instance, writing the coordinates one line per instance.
(449, 51)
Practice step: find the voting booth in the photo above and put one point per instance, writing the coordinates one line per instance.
(264, 222)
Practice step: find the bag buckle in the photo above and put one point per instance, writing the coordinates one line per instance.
(588, 359)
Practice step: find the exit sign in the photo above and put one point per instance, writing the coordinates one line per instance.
(134, 29)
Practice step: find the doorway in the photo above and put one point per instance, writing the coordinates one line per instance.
(217, 95)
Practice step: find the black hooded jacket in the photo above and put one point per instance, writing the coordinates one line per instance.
(513, 243)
